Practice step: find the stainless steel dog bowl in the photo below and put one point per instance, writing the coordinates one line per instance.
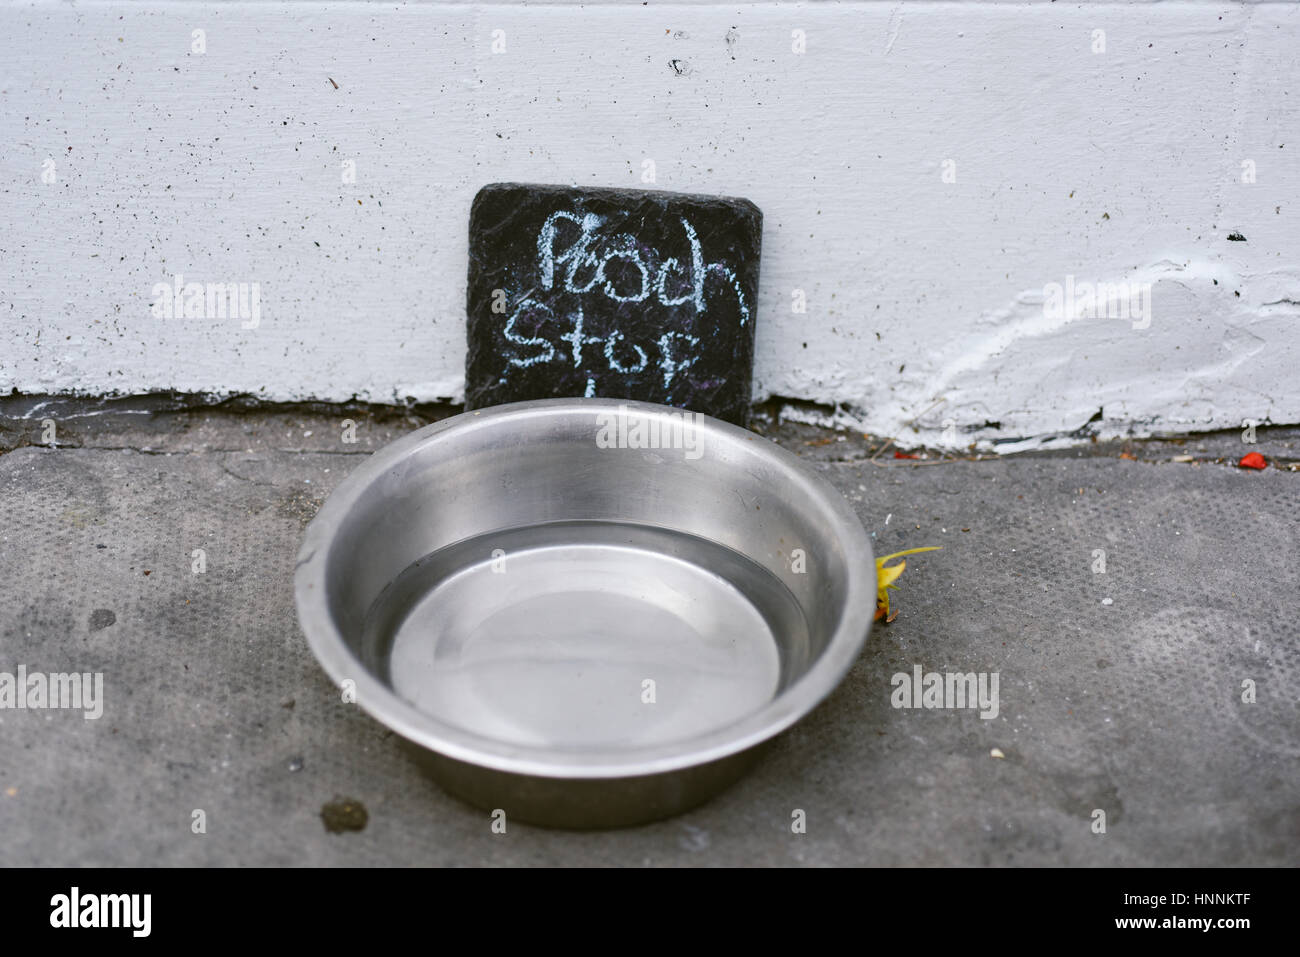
(585, 612)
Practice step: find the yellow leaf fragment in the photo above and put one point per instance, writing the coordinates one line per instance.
(887, 575)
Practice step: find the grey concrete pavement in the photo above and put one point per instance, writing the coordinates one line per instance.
(1119, 692)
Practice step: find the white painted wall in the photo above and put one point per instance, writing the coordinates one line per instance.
(1122, 166)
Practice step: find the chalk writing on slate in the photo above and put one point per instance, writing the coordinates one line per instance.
(628, 294)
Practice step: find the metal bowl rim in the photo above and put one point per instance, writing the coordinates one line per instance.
(383, 704)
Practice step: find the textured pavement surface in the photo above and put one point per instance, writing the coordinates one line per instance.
(1119, 691)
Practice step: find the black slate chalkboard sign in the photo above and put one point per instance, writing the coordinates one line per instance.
(630, 294)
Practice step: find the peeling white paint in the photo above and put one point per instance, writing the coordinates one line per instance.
(229, 166)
